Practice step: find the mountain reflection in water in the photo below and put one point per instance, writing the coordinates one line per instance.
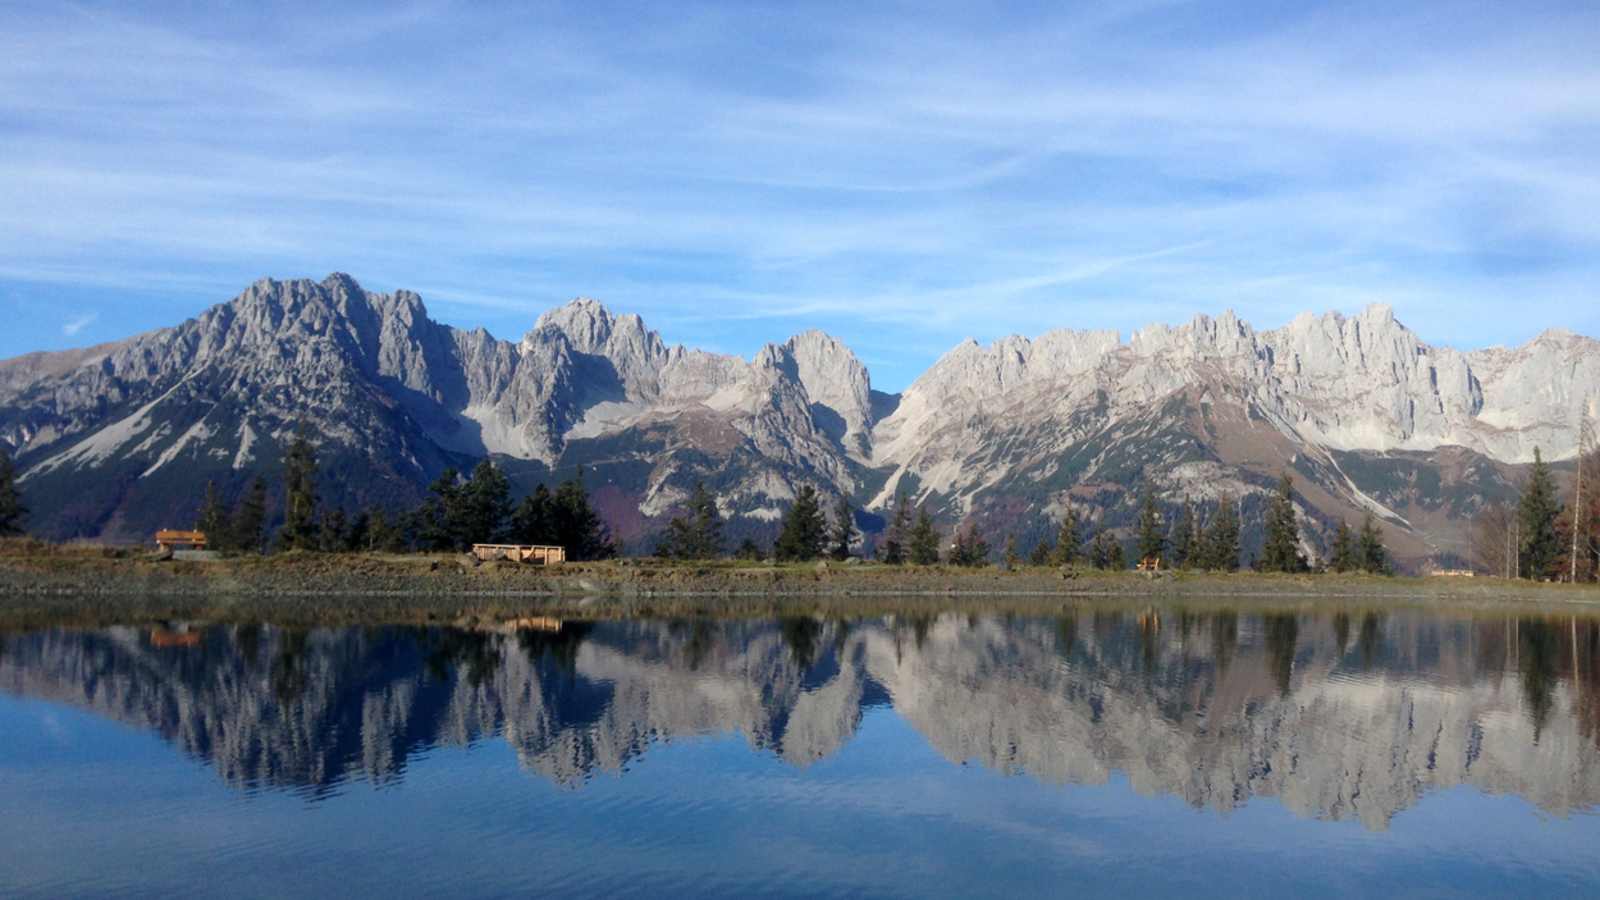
(1345, 716)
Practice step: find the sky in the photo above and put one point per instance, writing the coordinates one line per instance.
(901, 176)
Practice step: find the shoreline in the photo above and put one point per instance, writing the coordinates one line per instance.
(58, 585)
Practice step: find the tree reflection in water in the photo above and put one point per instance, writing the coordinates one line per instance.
(1214, 707)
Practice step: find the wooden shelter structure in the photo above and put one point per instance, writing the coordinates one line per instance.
(533, 554)
(171, 539)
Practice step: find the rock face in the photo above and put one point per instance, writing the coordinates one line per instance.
(118, 439)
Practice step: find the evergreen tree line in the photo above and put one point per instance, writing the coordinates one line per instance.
(806, 532)
(13, 513)
(1542, 536)
(457, 513)
(1213, 542)
(912, 537)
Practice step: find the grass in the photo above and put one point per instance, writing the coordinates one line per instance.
(43, 584)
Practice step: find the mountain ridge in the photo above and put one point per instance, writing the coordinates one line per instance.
(1006, 434)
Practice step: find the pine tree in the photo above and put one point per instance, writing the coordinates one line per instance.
(924, 541)
(534, 522)
(894, 540)
(578, 527)
(1372, 556)
(384, 534)
(844, 529)
(1010, 554)
(1152, 542)
(1041, 553)
(250, 518)
(969, 549)
(1115, 559)
(1068, 540)
(299, 531)
(12, 511)
(438, 520)
(212, 519)
(1220, 542)
(357, 538)
(1183, 537)
(331, 533)
(1099, 550)
(748, 550)
(805, 529)
(697, 534)
(1344, 555)
(1281, 551)
(485, 505)
(1537, 513)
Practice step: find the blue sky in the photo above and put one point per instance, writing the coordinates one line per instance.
(903, 176)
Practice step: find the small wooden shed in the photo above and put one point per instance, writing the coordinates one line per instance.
(533, 554)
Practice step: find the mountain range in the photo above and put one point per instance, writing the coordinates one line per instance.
(115, 440)
(1355, 723)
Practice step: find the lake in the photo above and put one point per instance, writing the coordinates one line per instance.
(1100, 753)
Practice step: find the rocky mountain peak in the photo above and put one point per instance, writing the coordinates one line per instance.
(834, 380)
(586, 323)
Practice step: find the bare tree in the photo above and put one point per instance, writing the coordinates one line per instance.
(1586, 483)
(1580, 518)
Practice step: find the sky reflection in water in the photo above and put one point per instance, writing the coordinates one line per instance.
(1208, 754)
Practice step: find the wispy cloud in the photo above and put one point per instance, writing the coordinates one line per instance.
(78, 323)
(851, 167)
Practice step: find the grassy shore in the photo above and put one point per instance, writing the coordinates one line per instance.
(42, 583)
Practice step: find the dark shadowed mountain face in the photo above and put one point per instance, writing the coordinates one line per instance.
(116, 440)
(1341, 717)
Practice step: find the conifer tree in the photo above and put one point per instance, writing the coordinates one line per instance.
(12, 511)
(385, 534)
(485, 505)
(805, 529)
(748, 550)
(1344, 555)
(895, 539)
(357, 537)
(249, 518)
(1152, 542)
(299, 531)
(1041, 553)
(1370, 552)
(534, 521)
(1068, 540)
(843, 532)
(1115, 558)
(697, 534)
(1281, 551)
(1537, 512)
(969, 549)
(212, 519)
(924, 540)
(1221, 540)
(332, 532)
(1010, 554)
(578, 527)
(1099, 550)
(438, 520)
(1183, 537)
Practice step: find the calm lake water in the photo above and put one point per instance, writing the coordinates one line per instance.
(1102, 753)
